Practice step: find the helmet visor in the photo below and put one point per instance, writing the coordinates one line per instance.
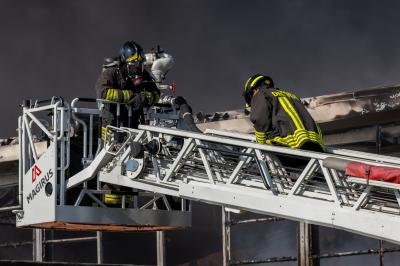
(134, 68)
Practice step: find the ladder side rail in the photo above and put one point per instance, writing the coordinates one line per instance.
(331, 185)
(264, 170)
(265, 148)
(234, 142)
(322, 205)
(365, 155)
(393, 161)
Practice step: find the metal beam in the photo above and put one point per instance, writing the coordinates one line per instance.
(37, 250)
(303, 245)
(161, 248)
(226, 237)
(99, 247)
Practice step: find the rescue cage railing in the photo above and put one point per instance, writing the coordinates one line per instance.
(164, 114)
(229, 169)
(34, 122)
(56, 132)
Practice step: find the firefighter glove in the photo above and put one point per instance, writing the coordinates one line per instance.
(137, 101)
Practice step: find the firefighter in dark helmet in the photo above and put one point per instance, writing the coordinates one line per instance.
(124, 80)
(279, 117)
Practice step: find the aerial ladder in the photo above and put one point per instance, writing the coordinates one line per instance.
(216, 167)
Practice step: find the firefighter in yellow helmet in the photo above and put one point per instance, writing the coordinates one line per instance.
(279, 117)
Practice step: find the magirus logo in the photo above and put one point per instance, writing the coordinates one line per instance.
(43, 182)
(35, 172)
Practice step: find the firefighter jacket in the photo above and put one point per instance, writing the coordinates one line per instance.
(280, 118)
(113, 87)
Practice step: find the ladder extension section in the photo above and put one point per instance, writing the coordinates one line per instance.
(231, 170)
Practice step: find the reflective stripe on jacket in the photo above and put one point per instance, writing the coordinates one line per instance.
(280, 118)
(111, 86)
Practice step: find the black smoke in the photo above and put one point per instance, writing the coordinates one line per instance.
(57, 47)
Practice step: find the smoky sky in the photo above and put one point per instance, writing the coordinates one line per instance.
(310, 47)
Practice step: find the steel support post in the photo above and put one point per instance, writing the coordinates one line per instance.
(99, 242)
(37, 252)
(381, 253)
(226, 237)
(303, 245)
(161, 248)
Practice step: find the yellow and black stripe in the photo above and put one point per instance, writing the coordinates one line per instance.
(296, 133)
(298, 138)
(260, 136)
(135, 57)
(301, 134)
(103, 133)
(112, 199)
(116, 95)
(115, 199)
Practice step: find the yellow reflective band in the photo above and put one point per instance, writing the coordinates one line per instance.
(300, 132)
(103, 133)
(109, 94)
(112, 196)
(136, 56)
(298, 138)
(255, 80)
(112, 201)
(294, 112)
(281, 100)
(245, 85)
(125, 95)
(260, 136)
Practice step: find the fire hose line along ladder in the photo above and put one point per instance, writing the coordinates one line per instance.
(230, 169)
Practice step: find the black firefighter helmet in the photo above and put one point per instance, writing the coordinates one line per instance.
(131, 57)
(255, 82)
